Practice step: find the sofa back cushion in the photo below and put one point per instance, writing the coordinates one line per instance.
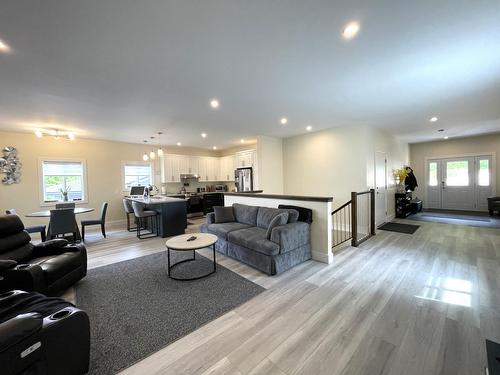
(223, 214)
(245, 214)
(267, 214)
(280, 219)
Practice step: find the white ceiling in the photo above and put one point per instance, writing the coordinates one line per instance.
(125, 69)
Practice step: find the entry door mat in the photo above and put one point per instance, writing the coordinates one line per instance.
(400, 228)
(135, 309)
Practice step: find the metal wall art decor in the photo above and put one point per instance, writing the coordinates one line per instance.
(10, 166)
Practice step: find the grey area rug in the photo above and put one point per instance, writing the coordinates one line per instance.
(399, 227)
(135, 309)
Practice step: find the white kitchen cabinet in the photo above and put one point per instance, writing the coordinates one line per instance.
(208, 168)
(194, 165)
(227, 167)
(173, 166)
(245, 159)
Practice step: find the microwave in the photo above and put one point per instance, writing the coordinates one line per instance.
(220, 188)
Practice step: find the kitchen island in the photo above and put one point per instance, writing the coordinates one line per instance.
(173, 219)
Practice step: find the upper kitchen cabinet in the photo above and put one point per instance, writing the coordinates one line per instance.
(246, 159)
(209, 169)
(194, 165)
(173, 166)
(227, 167)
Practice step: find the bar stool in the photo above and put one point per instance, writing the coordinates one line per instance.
(127, 206)
(151, 216)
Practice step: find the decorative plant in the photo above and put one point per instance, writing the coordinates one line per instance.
(65, 192)
(400, 175)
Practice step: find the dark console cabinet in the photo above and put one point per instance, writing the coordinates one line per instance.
(210, 200)
(405, 205)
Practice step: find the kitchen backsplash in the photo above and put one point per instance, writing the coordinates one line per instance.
(175, 187)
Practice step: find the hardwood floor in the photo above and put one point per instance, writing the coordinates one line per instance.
(398, 304)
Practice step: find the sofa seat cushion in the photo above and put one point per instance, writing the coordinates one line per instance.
(221, 230)
(254, 238)
(56, 267)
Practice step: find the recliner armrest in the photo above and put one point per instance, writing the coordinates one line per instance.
(27, 277)
(291, 236)
(18, 328)
(55, 247)
(211, 218)
(7, 264)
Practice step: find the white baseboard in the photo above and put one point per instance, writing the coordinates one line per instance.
(322, 257)
(390, 217)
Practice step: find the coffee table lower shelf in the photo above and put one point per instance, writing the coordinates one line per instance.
(171, 266)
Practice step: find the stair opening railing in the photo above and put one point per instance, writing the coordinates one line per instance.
(355, 219)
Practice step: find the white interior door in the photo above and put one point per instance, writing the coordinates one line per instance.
(457, 185)
(484, 183)
(380, 188)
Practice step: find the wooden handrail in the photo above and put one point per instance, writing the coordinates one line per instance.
(341, 207)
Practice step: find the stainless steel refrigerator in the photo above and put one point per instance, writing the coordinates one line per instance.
(243, 179)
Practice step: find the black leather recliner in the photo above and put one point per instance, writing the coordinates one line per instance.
(49, 267)
(42, 335)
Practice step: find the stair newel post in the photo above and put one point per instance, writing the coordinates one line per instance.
(372, 212)
(354, 215)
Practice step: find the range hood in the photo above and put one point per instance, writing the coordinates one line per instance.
(187, 176)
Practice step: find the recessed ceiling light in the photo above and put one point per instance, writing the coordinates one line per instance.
(214, 103)
(71, 136)
(242, 140)
(445, 137)
(433, 119)
(309, 128)
(215, 147)
(4, 47)
(203, 135)
(350, 31)
(283, 121)
(38, 133)
(179, 144)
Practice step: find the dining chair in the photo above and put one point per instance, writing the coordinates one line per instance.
(142, 215)
(64, 205)
(127, 207)
(63, 221)
(101, 221)
(32, 228)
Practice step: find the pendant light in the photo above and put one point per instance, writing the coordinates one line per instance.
(145, 157)
(152, 154)
(160, 150)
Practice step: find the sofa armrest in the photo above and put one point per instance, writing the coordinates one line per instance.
(18, 328)
(291, 236)
(7, 264)
(27, 277)
(211, 218)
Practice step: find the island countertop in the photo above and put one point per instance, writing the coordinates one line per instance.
(156, 200)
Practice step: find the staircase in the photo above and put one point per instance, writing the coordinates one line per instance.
(355, 219)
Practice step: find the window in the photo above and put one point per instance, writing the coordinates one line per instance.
(433, 180)
(484, 172)
(136, 174)
(457, 173)
(60, 176)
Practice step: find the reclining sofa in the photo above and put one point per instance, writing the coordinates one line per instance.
(253, 236)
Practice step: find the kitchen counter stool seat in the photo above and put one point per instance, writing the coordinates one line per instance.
(146, 215)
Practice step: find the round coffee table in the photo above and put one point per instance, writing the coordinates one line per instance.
(190, 242)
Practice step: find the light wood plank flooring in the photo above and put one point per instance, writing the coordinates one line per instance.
(398, 304)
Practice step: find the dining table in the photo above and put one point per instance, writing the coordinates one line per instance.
(77, 210)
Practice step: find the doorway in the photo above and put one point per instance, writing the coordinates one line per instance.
(459, 183)
(380, 188)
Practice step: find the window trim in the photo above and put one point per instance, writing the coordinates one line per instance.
(127, 162)
(41, 160)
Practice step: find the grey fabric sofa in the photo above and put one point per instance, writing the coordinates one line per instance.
(245, 239)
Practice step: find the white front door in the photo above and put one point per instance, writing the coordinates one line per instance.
(461, 183)
(457, 184)
(380, 188)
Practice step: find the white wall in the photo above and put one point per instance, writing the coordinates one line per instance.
(336, 161)
(270, 164)
(485, 144)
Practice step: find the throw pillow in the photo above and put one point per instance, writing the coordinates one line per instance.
(293, 215)
(278, 220)
(223, 214)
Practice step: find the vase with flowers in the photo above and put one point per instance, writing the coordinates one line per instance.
(64, 193)
(399, 177)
